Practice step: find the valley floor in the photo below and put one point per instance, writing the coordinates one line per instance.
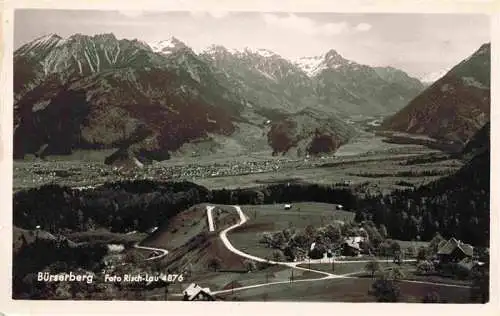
(366, 159)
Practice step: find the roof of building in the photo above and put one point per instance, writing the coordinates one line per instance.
(194, 289)
(467, 263)
(452, 244)
(354, 239)
(352, 244)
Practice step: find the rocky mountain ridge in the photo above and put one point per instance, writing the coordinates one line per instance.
(150, 100)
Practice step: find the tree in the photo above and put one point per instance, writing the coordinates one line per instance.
(383, 231)
(395, 248)
(214, 264)
(434, 243)
(310, 231)
(188, 270)
(333, 232)
(278, 256)
(411, 252)
(250, 265)
(290, 253)
(133, 257)
(396, 274)
(421, 253)
(259, 197)
(372, 267)
(360, 216)
(385, 290)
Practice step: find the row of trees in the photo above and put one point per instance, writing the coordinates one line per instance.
(119, 207)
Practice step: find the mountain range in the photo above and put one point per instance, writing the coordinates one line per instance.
(151, 100)
(454, 107)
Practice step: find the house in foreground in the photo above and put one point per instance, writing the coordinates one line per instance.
(194, 292)
(453, 251)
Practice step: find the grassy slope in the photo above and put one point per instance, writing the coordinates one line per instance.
(345, 290)
(272, 217)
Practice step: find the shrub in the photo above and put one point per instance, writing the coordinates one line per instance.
(250, 265)
(278, 256)
(425, 267)
(214, 264)
(372, 267)
(316, 253)
(385, 290)
(422, 253)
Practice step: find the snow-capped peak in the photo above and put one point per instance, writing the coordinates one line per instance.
(218, 49)
(310, 65)
(260, 51)
(166, 46)
(315, 64)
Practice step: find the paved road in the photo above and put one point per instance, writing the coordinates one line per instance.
(210, 218)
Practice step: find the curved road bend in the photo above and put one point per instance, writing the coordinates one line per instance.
(163, 252)
(294, 265)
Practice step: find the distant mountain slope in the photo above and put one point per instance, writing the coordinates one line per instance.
(353, 89)
(455, 107)
(308, 132)
(100, 92)
(266, 80)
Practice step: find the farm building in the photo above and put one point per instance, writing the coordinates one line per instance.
(454, 251)
(350, 248)
(195, 292)
(352, 245)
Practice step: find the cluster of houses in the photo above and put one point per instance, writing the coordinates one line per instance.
(350, 247)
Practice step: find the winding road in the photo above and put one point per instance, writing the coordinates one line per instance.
(293, 265)
(163, 252)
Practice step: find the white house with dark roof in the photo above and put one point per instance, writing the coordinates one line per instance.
(194, 292)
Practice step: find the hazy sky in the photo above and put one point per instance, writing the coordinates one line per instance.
(420, 44)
